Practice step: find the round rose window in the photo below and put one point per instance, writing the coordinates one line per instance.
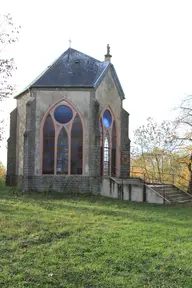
(63, 114)
(107, 118)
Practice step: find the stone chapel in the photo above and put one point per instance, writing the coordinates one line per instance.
(69, 129)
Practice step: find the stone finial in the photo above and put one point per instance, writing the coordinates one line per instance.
(108, 55)
(108, 49)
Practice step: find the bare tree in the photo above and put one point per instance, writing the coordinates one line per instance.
(154, 148)
(184, 123)
(8, 35)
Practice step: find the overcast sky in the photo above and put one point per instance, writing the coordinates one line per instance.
(151, 47)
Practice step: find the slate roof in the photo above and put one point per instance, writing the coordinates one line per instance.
(74, 69)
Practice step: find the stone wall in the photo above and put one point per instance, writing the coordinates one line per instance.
(134, 192)
(107, 95)
(11, 153)
(29, 140)
(94, 137)
(109, 188)
(40, 102)
(21, 122)
(65, 184)
(152, 197)
(45, 98)
(125, 144)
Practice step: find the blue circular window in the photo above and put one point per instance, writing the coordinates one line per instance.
(63, 114)
(107, 118)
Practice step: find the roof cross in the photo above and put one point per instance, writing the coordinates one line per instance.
(70, 43)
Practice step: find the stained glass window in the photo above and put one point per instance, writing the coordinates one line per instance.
(48, 146)
(62, 152)
(106, 155)
(107, 118)
(108, 144)
(101, 147)
(101, 133)
(63, 114)
(76, 146)
(113, 154)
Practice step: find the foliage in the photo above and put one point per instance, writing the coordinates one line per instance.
(2, 172)
(184, 120)
(160, 155)
(90, 241)
(157, 167)
(184, 123)
(153, 153)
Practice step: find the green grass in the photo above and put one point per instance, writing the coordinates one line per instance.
(89, 241)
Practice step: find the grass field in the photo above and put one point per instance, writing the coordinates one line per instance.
(90, 241)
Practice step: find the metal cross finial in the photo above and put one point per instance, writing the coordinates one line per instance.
(70, 43)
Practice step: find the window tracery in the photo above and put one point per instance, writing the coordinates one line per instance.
(62, 141)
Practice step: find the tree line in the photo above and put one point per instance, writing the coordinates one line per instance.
(162, 153)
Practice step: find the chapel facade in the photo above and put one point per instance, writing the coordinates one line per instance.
(69, 129)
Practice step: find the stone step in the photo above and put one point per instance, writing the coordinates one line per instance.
(165, 188)
(183, 201)
(180, 201)
(171, 193)
(175, 194)
(180, 197)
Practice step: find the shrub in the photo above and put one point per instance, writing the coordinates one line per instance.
(2, 172)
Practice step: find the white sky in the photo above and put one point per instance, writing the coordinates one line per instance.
(150, 41)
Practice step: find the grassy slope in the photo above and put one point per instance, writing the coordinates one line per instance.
(88, 241)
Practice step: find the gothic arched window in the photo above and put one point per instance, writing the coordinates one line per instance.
(76, 146)
(101, 146)
(113, 152)
(107, 118)
(108, 139)
(62, 141)
(62, 152)
(106, 154)
(48, 146)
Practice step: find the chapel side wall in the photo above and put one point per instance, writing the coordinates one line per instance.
(11, 153)
(21, 122)
(45, 98)
(108, 95)
(29, 139)
(125, 144)
(94, 137)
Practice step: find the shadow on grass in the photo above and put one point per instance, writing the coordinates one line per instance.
(152, 213)
(156, 218)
